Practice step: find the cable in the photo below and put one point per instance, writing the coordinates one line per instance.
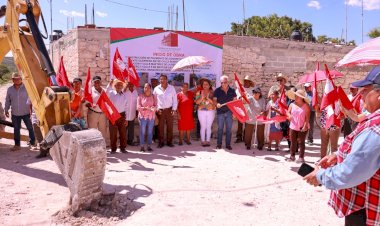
(136, 7)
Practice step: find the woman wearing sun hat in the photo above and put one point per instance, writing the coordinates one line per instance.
(298, 115)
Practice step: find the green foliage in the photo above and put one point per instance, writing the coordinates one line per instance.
(5, 73)
(374, 33)
(273, 26)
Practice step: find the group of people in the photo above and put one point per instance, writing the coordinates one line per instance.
(351, 171)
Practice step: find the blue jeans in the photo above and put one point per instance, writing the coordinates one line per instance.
(16, 121)
(225, 118)
(144, 123)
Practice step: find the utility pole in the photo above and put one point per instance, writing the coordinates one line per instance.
(183, 11)
(362, 21)
(51, 17)
(242, 32)
(85, 14)
(346, 23)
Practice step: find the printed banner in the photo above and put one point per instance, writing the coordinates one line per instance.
(155, 52)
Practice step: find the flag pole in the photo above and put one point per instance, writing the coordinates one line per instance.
(254, 138)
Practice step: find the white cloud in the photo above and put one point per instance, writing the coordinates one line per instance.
(101, 14)
(368, 4)
(66, 1)
(314, 4)
(71, 13)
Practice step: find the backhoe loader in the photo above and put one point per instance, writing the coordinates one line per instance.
(79, 154)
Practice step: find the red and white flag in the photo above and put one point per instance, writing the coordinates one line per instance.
(119, 69)
(356, 103)
(133, 77)
(238, 110)
(346, 103)
(61, 77)
(283, 107)
(241, 89)
(108, 108)
(265, 120)
(87, 94)
(330, 101)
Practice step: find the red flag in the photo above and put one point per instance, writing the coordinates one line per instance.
(315, 91)
(119, 70)
(330, 101)
(87, 94)
(282, 103)
(356, 102)
(238, 110)
(241, 88)
(61, 77)
(108, 108)
(265, 120)
(346, 103)
(133, 77)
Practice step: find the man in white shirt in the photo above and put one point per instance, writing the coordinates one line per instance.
(248, 85)
(95, 117)
(166, 108)
(119, 99)
(130, 114)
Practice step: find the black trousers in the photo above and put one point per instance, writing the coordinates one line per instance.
(357, 218)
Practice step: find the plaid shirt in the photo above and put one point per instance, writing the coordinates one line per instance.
(365, 195)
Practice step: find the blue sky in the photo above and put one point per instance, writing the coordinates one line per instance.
(327, 16)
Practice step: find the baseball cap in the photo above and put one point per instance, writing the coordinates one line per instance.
(96, 78)
(256, 90)
(77, 80)
(373, 77)
(307, 84)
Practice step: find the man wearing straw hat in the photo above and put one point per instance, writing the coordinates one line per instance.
(16, 100)
(115, 91)
(248, 85)
(353, 172)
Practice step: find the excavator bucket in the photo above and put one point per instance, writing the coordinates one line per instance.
(81, 158)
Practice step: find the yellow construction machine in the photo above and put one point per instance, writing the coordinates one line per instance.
(80, 155)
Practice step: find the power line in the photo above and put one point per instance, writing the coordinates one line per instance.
(137, 7)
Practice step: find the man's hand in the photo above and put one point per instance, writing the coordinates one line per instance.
(126, 122)
(7, 114)
(173, 112)
(311, 178)
(327, 161)
(218, 105)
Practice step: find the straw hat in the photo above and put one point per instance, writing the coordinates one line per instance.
(118, 81)
(15, 75)
(301, 93)
(248, 78)
(281, 76)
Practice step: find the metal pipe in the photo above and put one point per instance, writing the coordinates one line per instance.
(40, 43)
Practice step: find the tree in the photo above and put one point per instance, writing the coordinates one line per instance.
(374, 33)
(322, 39)
(273, 26)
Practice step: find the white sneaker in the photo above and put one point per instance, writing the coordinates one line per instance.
(300, 160)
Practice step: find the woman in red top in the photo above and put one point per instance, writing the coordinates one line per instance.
(185, 113)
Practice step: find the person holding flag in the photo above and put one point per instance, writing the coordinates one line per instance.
(275, 131)
(222, 96)
(355, 97)
(96, 118)
(353, 172)
(255, 108)
(76, 104)
(248, 85)
(116, 93)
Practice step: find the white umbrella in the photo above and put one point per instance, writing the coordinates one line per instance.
(364, 54)
(190, 62)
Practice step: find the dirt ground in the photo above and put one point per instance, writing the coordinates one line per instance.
(185, 185)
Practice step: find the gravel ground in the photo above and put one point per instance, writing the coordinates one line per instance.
(186, 185)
